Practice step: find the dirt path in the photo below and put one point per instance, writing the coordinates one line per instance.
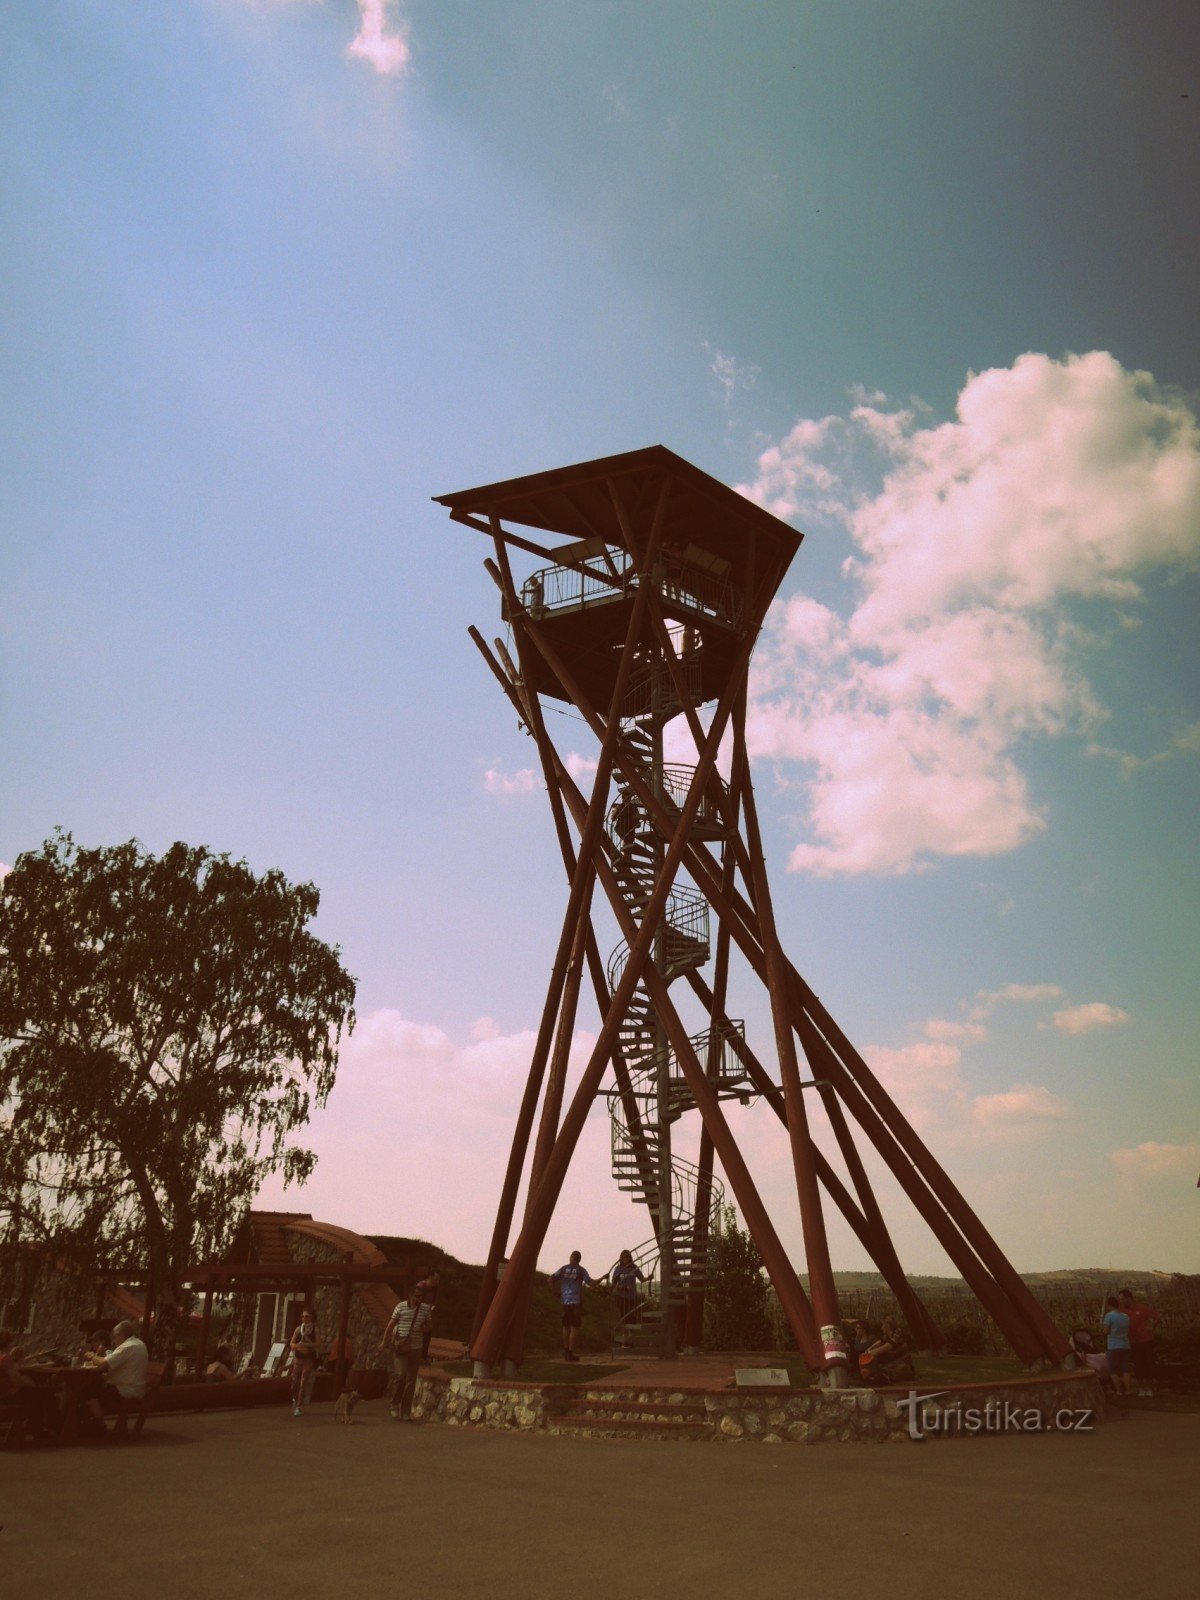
(263, 1506)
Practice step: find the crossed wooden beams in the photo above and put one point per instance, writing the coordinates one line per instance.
(848, 1088)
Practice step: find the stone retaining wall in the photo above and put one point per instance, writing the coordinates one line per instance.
(485, 1403)
(1056, 1402)
(1037, 1404)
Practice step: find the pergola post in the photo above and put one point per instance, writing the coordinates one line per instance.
(342, 1364)
(202, 1342)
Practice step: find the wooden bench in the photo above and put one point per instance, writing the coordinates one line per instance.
(131, 1417)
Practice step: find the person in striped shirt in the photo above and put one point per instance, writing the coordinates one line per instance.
(405, 1335)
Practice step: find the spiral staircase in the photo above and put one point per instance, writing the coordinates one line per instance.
(657, 1093)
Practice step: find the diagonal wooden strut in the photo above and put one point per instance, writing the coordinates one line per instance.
(645, 594)
(1021, 1325)
(637, 969)
(792, 1297)
(876, 1242)
(575, 916)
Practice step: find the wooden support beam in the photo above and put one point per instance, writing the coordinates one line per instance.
(812, 1221)
(526, 706)
(341, 1366)
(518, 1279)
(528, 709)
(524, 1255)
(782, 1274)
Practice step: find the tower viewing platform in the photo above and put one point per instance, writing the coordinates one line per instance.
(721, 559)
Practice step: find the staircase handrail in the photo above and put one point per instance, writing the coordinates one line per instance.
(685, 914)
(689, 587)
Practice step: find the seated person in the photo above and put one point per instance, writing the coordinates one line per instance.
(220, 1370)
(874, 1360)
(93, 1345)
(121, 1374)
(1083, 1345)
(34, 1403)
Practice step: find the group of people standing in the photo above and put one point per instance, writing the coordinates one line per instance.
(1129, 1325)
(572, 1279)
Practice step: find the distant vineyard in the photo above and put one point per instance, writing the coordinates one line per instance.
(1072, 1303)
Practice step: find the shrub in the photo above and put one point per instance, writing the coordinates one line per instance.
(964, 1337)
(735, 1306)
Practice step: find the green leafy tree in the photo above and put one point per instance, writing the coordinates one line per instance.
(736, 1315)
(166, 1024)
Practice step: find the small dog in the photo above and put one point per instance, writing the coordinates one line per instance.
(343, 1411)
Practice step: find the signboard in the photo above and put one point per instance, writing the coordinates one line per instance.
(761, 1378)
(274, 1357)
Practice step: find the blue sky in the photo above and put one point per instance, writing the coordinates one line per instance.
(920, 276)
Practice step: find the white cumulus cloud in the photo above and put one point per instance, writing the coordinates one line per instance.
(1087, 1018)
(381, 40)
(418, 1127)
(1027, 1106)
(927, 1080)
(1153, 1160)
(496, 781)
(903, 720)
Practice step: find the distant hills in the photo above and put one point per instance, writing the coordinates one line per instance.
(1063, 1277)
(461, 1280)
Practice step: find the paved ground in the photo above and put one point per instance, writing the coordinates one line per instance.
(687, 1373)
(258, 1504)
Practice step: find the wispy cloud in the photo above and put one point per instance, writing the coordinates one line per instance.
(1185, 742)
(580, 766)
(986, 1001)
(382, 40)
(903, 721)
(927, 1079)
(1027, 1107)
(618, 105)
(732, 375)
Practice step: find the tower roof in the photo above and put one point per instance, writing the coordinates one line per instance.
(577, 501)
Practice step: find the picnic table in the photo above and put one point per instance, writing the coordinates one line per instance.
(74, 1383)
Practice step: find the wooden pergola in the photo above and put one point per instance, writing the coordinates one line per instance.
(217, 1277)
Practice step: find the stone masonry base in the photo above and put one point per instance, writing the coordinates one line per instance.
(1053, 1402)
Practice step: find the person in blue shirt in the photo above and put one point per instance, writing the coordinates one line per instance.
(1116, 1328)
(570, 1282)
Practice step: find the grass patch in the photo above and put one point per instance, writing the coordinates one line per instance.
(968, 1369)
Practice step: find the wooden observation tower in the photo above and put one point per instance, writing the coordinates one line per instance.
(643, 610)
